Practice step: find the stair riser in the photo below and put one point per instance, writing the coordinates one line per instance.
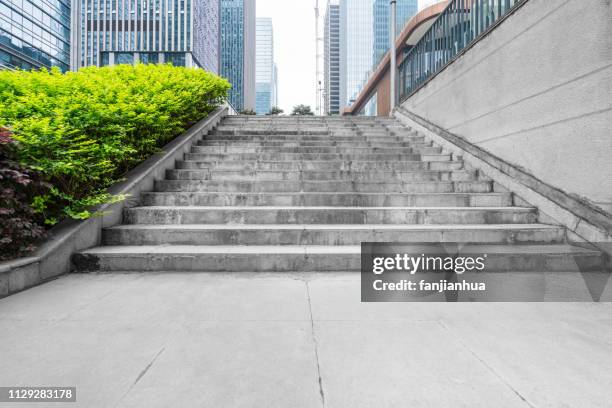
(320, 176)
(314, 237)
(288, 131)
(307, 130)
(328, 186)
(327, 200)
(218, 143)
(327, 216)
(310, 150)
(327, 138)
(321, 166)
(313, 156)
(306, 262)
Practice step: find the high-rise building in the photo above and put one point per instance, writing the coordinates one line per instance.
(275, 87)
(265, 85)
(406, 9)
(356, 44)
(237, 49)
(35, 34)
(184, 33)
(332, 58)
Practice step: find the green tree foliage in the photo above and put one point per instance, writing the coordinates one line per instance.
(83, 131)
(275, 111)
(302, 110)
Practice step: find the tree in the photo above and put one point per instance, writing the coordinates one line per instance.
(302, 110)
(275, 111)
(247, 111)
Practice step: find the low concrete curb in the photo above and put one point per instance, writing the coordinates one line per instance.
(584, 221)
(53, 257)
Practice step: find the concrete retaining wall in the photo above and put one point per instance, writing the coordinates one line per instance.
(536, 92)
(53, 258)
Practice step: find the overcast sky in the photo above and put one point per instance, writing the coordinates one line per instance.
(294, 47)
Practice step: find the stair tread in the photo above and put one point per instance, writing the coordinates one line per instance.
(545, 249)
(327, 208)
(348, 227)
(331, 193)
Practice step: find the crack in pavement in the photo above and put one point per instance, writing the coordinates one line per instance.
(316, 347)
(142, 374)
(487, 366)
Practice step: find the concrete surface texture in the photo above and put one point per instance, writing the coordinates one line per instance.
(536, 92)
(296, 340)
(302, 193)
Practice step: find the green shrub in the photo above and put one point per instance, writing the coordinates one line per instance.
(83, 131)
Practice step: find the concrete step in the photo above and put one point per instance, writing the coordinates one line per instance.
(383, 176)
(327, 199)
(278, 258)
(313, 156)
(271, 131)
(232, 149)
(323, 186)
(329, 234)
(246, 168)
(312, 143)
(330, 215)
(326, 138)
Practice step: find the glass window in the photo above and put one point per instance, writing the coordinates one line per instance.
(124, 58)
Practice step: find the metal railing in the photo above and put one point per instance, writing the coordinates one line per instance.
(230, 108)
(461, 23)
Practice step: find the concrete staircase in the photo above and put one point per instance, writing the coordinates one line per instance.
(301, 194)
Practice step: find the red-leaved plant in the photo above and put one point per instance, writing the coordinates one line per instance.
(20, 226)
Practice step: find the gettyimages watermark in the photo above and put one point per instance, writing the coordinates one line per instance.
(460, 272)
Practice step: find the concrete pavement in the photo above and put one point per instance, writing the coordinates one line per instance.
(296, 340)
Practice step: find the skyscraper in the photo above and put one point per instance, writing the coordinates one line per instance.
(332, 58)
(35, 34)
(237, 48)
(406, 9)
(184, 33)
(265, 66)
(356, 44)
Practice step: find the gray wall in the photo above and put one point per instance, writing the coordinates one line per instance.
(537, 92)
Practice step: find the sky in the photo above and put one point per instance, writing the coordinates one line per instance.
(294, 47)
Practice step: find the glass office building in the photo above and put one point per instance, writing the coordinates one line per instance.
(181, 32)
(406, 9)
(356, 44)
(35, 34)
(265, 70)
(237, 51)
(332, 58)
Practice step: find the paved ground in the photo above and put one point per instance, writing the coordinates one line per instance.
(290, 341)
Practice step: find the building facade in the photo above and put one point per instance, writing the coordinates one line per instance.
(184, 33)
(35, 34)
(356, 43)
(332, 59)
(275, 89)
(406, 9)
(265, 70)
(237, 51)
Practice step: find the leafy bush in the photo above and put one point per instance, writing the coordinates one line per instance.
(20, 227)
(302, 110)
(275, 110)
(82, 131)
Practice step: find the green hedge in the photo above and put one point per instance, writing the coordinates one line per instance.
(82, 131)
